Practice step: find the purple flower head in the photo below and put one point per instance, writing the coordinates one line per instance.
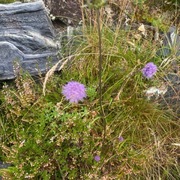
(74, 91)
(97, 158)
(149, 70)
(121, 139)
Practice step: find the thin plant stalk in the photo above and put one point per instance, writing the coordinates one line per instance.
(100, 74)
(100, 62)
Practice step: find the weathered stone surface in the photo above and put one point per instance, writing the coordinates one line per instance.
(26, 36)
(68, 11)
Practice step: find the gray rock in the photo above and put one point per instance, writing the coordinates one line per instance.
(4, 165)
(168, 94)
(26, 36)
(171, 43)
(68, 11)
(171, 99)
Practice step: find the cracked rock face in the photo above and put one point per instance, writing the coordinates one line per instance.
(68, 11)
(26, 36)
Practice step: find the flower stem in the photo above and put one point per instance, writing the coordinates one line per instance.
(100, 61)
(100, 74)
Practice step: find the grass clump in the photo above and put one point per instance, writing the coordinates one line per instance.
(6, 1)
(44, 136)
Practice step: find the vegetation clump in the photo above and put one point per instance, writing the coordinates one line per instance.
(6, 1)
(60, 133)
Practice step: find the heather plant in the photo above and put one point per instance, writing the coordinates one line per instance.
(55, 130)
(41, 141)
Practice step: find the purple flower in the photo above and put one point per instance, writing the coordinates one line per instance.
(120, 139)
(97, 158)
(74, 91)
(149, 70)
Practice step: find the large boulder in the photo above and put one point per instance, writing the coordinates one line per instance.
(27, 37)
